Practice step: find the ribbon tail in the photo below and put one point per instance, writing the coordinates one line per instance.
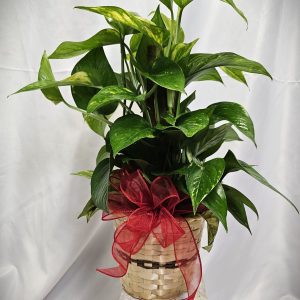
(128, 240)
(186, 251)
(121, 269)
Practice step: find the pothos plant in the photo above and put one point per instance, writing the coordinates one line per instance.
(157, 132)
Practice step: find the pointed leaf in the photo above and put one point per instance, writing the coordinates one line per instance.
(96, 125)
(165, 73)
(192, 122)
(102, 154)
(212, 228)
(186, 102)
(78, 79)
(100, 39)
(130, 19)
(170, 119)
(182, 50)
(233, 165)
(45, 73)
(235, 114)
(200, 62)
(235, 74)
(157, 18)
(96, 65)
(99, 184)
(171, 25)
(209, 75)
(121, 137)
(111, 94)
(89, 210)
(237, 208)
(232, 4)
(217, 203)
(86, 173)
(232, 193)
(167, 3)
(201, 179)
(182, 3)
(135, 42)
(212, 140)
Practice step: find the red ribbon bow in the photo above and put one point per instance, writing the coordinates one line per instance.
(151, 210)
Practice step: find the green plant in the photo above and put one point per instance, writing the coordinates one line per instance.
(157, 132)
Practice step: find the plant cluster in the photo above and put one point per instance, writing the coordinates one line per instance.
(157, 132)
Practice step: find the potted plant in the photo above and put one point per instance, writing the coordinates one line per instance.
(157, 176)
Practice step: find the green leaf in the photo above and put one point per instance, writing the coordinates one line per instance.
(168, 4)
(186, 102)
(96, 65)
(157, 18)
(182, 3)
(202, 178)
(212, 140)
(147, 52)
(165, 73)
(200, 62)
(102, 154)
(45, 73)
(170, 119)
(121, 137)
(237, 208)
(217, 203)
(232, 193)
(85, 173)
(111, 94)
(235, 114)
(212, 228)
(182, 50)
(235, 74)
(130, 19)
(171, 27)
(135, 42)
(209, 75)
(192, 122)
(232, 4)
(233, 165)
(78, 79)
(89, 210)
(100, 39)
(99, 184)
(96, 125)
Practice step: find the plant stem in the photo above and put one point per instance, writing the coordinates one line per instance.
(151, 92)
(92, 115)
(171, 33)
(125, 107)
(146, 113)
(123, 54)
(171, 94)
(178, 22)
(178, 104)
(156, 108)
(123, 57)
(130, 105)
(170, 101)
(141, 80)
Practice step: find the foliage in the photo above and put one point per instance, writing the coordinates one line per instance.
(157, 131)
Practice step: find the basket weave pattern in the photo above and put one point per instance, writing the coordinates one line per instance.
(153, 272)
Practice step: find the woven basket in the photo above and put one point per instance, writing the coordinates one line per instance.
(152, 272)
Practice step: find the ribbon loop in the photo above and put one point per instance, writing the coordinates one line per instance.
(150, 210)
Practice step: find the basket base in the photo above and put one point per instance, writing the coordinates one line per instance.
(201, 295)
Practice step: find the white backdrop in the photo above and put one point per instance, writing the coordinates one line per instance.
(45, 253)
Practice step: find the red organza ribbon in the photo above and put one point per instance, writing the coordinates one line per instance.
(151, 209)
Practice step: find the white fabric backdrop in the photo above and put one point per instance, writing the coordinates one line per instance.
(45, 253)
